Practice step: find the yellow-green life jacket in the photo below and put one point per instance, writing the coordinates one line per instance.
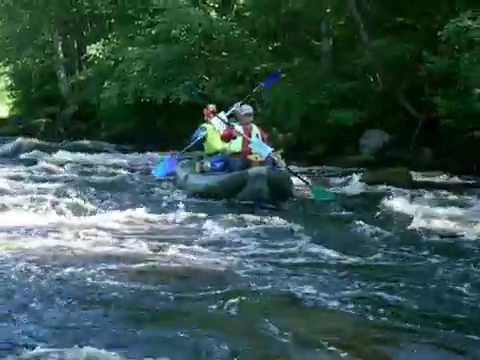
(213, 142)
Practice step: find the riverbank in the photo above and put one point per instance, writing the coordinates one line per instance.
(372, 149)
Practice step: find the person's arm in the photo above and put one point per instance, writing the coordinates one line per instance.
(264, 136)
(228, 134)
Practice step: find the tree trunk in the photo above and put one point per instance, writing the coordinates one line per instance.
(364, 36)
(60, 68)
(359, 20)
(227, 7)
(326, 48)
(64, 117)
(403, 101)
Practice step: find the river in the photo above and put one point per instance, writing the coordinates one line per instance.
(99, 260)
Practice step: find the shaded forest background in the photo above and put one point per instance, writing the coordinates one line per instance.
(139, 72)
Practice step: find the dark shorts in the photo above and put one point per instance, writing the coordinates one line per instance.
(238, 162)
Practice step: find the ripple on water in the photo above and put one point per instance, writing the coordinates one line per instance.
(98, 255)
(430, 214)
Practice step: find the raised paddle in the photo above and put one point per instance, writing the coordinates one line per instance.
(169, 163)
(318, 192)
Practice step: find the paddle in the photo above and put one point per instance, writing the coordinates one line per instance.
(318, 192)
(169, 163)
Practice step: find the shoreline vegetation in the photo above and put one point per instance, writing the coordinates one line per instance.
(366, 83)
(5, 101)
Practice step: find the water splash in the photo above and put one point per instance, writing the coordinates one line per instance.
(90, 241)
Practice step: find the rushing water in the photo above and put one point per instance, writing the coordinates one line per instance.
(101, 261)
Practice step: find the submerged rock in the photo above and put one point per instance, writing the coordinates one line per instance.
(9, 130)
(38, 128)
(89, 146)
(23, 145)
(350, 161)
(373, 141)
(396, 176)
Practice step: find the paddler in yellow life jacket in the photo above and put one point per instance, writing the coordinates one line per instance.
(214, 148)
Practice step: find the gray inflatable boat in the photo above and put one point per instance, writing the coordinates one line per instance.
(258, 184)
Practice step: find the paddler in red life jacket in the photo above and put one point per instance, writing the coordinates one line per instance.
(240, 155)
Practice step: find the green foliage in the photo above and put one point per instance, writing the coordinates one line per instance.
(4, 95)
(141, 70)
(457, 68)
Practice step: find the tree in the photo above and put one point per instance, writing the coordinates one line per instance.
(141, 70)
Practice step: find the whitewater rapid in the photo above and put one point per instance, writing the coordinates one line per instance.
(90, 243)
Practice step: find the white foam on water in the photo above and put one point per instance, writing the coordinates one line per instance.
(5, 185)
(13, 171)
(101, 160)
(322, 252)
(371, 231)
(45, 166)
(447, 227)
(351, 185)
(251, 240)
(22, 145)
(394, 299)
(232, 306)
(46, 215)
(14, 218)
(21, 209)
(309, 292)
(73, 243)
(414, 207)
(35, 155)
(439, 177)
(429, 213)
(227, 227)
(298, 244)
(273, 220)
(51, 216)
(195, 256)
(107, 159)
(100, 233)
(213, 229)
(75, 353)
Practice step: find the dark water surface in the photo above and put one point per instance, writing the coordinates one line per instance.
(101, 261)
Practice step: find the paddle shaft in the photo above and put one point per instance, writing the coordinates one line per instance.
(261, 85)
(305, 181)
(232, 109)
(272, 78)
(191, 144)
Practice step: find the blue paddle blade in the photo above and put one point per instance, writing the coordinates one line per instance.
(199, 133)
(166, 167)
(272, 78)
(260, 148)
